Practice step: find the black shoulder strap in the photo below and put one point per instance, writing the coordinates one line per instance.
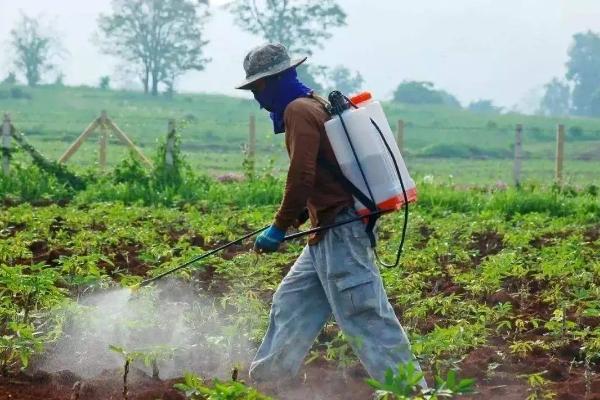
(356, 192)
(347, 184)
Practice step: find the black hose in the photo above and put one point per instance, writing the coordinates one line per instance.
(405, 226)
(360, 168)
(405, 197)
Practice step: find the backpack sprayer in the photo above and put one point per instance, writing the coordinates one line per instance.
(372, 170)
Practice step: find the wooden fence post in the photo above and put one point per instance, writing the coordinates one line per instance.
(560, 153)
(518, 154)
(400, 135)
(169, 158)
(77, 143)
(105, 124)
(251, 141)
(103, 139)
(6, 128)
(125, 139)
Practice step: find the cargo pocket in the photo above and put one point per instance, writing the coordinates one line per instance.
(357, 294)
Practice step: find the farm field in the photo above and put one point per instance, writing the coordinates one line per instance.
(501, 284)
(497, 283)
(439, 141)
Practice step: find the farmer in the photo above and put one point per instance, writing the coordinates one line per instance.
(336, 273)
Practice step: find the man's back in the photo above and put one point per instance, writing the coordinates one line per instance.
(307, 142)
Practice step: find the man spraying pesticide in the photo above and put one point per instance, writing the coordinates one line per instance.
(342, 167)
(345, 171)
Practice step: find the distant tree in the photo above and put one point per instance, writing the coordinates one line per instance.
(59, 80)
(449, 99)
(557, 98)
(104, 82)
(300, 25)
(35, 48)
(414, 92)
(594, 106)
(10, 79)
(419, 92)
(342, 79)
(162, 39)
(312, 76)
(484, 106)
(583, 70)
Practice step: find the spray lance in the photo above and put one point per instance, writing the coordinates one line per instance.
(247, 236)
(372, 170)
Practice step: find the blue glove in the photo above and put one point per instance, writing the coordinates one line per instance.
(269, 240)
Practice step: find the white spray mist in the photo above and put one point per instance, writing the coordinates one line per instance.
(179, 327)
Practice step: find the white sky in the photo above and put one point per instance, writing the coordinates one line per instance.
(499, 49)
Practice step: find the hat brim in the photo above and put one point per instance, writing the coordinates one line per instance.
(273, 71)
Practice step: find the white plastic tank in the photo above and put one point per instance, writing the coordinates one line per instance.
(375, 111)
(372, 153)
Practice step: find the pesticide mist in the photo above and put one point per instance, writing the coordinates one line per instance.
(168, 327)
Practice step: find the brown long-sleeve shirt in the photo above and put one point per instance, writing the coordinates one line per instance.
(309, 184)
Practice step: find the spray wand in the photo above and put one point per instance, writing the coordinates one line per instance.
(248, 235)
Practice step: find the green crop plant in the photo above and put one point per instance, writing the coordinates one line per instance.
(522, 348)
(539, 387)
(250, 313)
(338, 350)
(150, 357)
(84, 270)
(194, 388)
(558, 325)
(29, 288)
(450, 343)
(26, 292)
(127, 358)
(481, 266)
(18, 342)
(405, 385)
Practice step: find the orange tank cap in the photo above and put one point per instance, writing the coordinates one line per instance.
(361, 97)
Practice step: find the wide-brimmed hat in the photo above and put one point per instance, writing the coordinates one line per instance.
(267, 60)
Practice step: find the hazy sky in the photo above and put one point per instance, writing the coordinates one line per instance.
(499, 49)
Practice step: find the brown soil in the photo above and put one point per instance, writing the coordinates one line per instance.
(425, 232)
(59, 224)
(316, 381)
(65, 385)
(11, 229)
(498, 376)
(592, 234)
(197, 240)
(486, 244)
(126, 258)
(549, 239)
(508, 380)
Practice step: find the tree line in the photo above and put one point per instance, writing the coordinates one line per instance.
(159, 40)
(578, 93)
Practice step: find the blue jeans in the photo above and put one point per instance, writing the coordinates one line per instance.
(336, 276)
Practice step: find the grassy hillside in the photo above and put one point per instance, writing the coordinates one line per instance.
(473, 148)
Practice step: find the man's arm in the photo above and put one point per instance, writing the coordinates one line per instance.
(303, 140)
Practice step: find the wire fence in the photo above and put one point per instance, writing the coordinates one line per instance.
(514, 148)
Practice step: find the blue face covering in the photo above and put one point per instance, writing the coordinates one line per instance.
(281, 90)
